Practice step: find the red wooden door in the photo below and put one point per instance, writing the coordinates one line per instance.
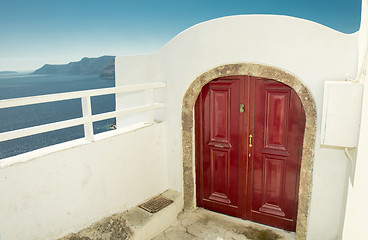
(249, 134)
(278, 138)
(218, 112)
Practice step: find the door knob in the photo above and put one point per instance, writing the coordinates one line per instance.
(250, 140)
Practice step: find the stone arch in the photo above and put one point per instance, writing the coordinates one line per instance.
(256, 70)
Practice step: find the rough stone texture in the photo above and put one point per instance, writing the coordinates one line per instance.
(261, 71)
(135, 223)
(203, 224)
(110, 228)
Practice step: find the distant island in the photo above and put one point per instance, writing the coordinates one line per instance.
(7, 72)
(103, 66)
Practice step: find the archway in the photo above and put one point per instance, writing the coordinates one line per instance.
(255, 70)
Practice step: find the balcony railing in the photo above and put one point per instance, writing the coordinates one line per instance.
(87, 119)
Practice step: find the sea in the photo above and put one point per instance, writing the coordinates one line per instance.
(25, 85)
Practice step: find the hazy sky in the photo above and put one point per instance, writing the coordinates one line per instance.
(35, 32)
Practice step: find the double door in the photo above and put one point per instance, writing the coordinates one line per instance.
(249, 137)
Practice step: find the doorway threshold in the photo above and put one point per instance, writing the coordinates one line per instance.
(203, 224)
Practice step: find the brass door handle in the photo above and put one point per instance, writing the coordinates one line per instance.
(250, 140)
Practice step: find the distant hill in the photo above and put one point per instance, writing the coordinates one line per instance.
(103, 66)
(109, 71)
(7, 72)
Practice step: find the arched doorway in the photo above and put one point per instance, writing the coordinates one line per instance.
(249, 136)
(262, 71)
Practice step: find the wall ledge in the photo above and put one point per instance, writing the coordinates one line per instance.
(32, 155)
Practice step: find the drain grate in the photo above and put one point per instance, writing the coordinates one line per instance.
(156, 204)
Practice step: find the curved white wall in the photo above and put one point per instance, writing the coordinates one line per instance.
(356, 213)
(310, 51)
(64, 191)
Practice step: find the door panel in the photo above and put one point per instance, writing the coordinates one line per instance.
(277, 136)
(248, 162)
(276, 111)
(273, 182)
(220, 139)
(220, 181)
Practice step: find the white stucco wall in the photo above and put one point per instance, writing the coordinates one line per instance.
(55, 194)
(310, 51)
(137, 70)
(356, 213)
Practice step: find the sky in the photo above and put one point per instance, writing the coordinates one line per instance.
(36, 32)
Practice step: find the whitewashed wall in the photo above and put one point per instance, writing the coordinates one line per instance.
(356, 212)
(310, 51)
(137, 70)
(64, 191)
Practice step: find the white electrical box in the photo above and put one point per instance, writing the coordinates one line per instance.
(342, 103)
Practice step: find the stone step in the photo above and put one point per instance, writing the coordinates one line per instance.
(134, 224)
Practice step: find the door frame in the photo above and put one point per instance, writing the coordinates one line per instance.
(255, 70)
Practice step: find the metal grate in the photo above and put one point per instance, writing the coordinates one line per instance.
(156, 204)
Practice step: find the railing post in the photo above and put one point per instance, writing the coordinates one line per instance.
(87, 115)
(152, 102)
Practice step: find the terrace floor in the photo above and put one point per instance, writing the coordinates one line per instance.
(203, 224)
(138, 224)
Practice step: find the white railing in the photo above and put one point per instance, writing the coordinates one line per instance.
(87, 119)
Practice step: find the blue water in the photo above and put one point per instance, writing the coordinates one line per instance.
(24, 85)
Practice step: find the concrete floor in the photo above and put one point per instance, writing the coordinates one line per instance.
(203, 224)
(138, 224)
